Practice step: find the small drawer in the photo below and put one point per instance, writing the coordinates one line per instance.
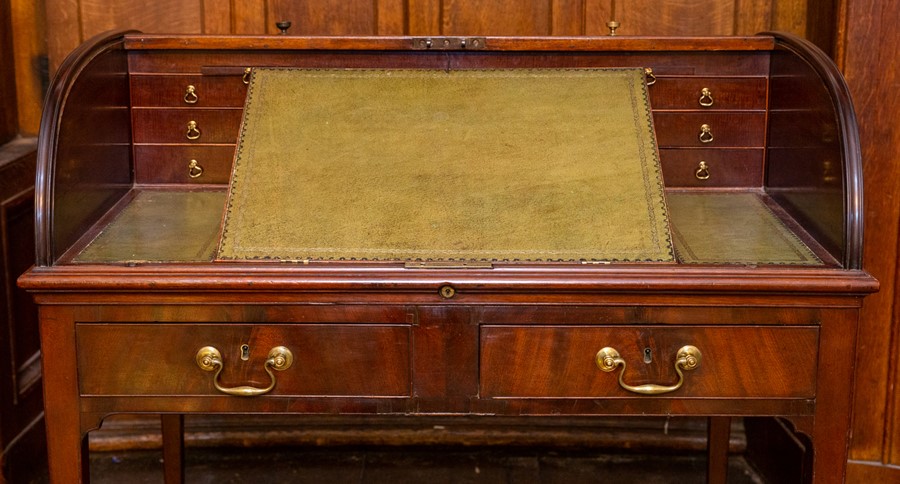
(735, 361)
(189, 126)
(710, 130)
(187, 91)
(712, 167)
(708, 93)
(161, 359)
(202, 164)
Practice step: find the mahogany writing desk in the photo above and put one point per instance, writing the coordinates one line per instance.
(758, 146)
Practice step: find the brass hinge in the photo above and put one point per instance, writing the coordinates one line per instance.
(448, 43)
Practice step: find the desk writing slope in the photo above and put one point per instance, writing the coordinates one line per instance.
(539, 165)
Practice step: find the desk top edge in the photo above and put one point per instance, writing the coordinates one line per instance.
(140, 41)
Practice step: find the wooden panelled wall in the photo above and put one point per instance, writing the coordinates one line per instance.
(860, 33)
(868, 55)
(70, 22)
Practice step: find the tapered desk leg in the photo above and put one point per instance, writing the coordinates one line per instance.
(173, 448)
(719, 433)
(67, 450)
(830, 433)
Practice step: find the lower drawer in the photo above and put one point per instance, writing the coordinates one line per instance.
(560, 361)
(204, 164)
(161, 359)
(712, 167)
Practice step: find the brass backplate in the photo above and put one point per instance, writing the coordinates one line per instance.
(448, 43)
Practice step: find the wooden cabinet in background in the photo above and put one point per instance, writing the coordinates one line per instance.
(21, 407)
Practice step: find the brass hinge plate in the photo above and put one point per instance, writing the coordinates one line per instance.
(448, 43)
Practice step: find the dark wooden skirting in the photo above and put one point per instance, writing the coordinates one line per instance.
(651, 434)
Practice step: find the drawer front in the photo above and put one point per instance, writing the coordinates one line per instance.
(726, 129)
(720, 167)
(160, 359)
(708, 93)
(174, 164)
(187, 91)
(172, 125)
(560, 361)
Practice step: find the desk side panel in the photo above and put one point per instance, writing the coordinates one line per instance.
(814, 165)
(84, 154)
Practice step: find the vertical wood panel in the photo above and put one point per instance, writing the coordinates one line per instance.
(496, 17)
(166, 16)
(790, 16)
(882, 137)
(675, 17)
(391, 16)
(64, 30)
(821, 20)
(870, 65)
(596, 14)
(752, 16)
(216, 16)
(30, 59)
(424, 17)
(567, 17)
(325, 17)
(249, 17)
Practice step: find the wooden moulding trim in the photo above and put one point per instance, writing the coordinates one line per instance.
(606, 43)
(373, 279)
(51, 121)
(849, 136)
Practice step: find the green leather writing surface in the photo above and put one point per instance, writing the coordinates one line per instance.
(537, 165)
(161, 226)
(732, 228)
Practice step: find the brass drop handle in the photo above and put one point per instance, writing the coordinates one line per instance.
(706, 99)
(190, 95)
(210, 359)
(688, 358)
(193, 131)
(706, 135)
(194, 169)
(246, 76)
(702, 172)
(648, 74)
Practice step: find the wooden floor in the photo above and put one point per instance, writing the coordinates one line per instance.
(409, 465)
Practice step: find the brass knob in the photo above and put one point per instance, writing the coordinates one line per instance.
(193, 131)
(648, 74)
(706, 99)
(612, 25)
(190, 95)
(706, 135)
(283, 26)
(194, 169)
(702, 172)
